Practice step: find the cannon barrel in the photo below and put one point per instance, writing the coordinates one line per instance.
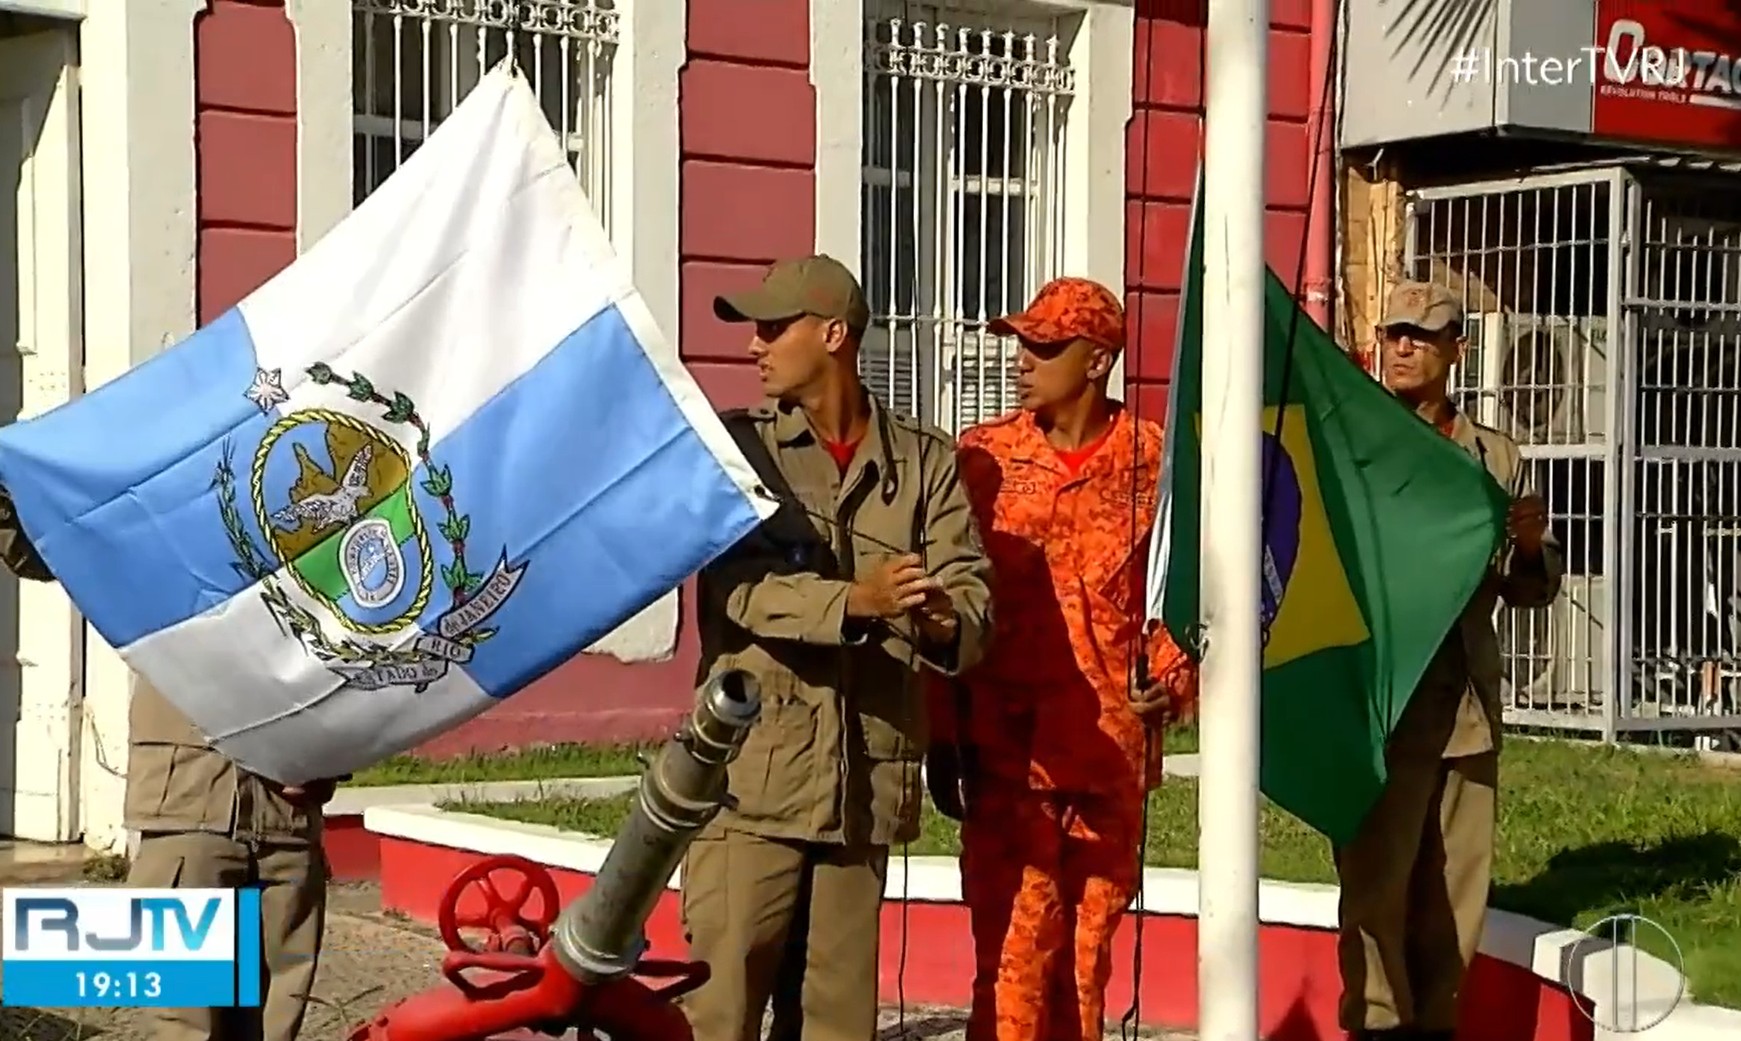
(602, 935)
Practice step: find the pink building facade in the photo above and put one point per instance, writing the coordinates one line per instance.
(177, 153)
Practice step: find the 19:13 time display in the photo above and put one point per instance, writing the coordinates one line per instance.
(120, 984)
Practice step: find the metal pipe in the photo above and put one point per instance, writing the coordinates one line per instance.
(602, 935)
(1235, 106)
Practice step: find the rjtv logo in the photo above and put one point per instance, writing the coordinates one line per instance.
(1634, 67)
(130, 947)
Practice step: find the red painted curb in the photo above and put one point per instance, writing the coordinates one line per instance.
(353, 852)
(1299, 982)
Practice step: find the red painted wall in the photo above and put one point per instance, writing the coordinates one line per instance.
(1161, 170)
(245, 143)
(748, 115)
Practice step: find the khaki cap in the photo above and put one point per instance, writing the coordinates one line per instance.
(1427, 306)
(819, 285)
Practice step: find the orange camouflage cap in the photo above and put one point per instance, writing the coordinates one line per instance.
(1068, 309)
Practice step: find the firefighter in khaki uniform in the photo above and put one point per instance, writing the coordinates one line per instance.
(1415, 879)
(870, 570)
(205, 823)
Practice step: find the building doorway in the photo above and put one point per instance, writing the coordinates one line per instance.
(41, 366)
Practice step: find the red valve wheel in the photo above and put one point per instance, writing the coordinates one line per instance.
(505, 913)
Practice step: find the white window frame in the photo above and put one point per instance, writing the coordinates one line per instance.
(1100, 55)
(642, 118)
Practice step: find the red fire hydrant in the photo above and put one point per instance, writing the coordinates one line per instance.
(585, 969)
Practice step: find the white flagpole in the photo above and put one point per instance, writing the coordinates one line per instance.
(1233, 283)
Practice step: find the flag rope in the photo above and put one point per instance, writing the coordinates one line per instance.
(921, 542)
(1312, 188)
(1137, 679)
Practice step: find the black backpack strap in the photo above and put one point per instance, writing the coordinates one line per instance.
(787, 538)
(742, 428)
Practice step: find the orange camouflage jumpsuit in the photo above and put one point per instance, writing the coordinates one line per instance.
(1049, 857)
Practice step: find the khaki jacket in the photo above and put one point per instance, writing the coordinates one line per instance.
(175, 780)
(1456, 710)
(836, 754)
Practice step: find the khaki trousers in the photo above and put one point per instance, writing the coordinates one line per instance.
(1415, 884)
(791, 923)
(292, 878)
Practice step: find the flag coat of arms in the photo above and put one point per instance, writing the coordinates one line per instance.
(1359, 494)
(440, 454)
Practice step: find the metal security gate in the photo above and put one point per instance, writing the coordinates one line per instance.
(1683, 310)
(415, 60)
(1605, 337)
(963, 204)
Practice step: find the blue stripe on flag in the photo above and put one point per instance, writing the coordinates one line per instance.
(132, 462)
(586, 469)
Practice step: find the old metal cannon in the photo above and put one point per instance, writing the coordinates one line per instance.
(586, 968)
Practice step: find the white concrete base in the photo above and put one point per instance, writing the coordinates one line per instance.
(1565, 957)
(348, 802)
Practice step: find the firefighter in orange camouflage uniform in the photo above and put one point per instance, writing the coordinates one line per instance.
(1048, 748)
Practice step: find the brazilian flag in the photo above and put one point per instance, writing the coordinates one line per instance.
(1377, 531)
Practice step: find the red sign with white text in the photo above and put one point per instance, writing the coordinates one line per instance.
(1669, 72)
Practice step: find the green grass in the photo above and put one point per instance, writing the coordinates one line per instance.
(106, 867)
(530, 764)
(1585, 832)
(543, 762)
